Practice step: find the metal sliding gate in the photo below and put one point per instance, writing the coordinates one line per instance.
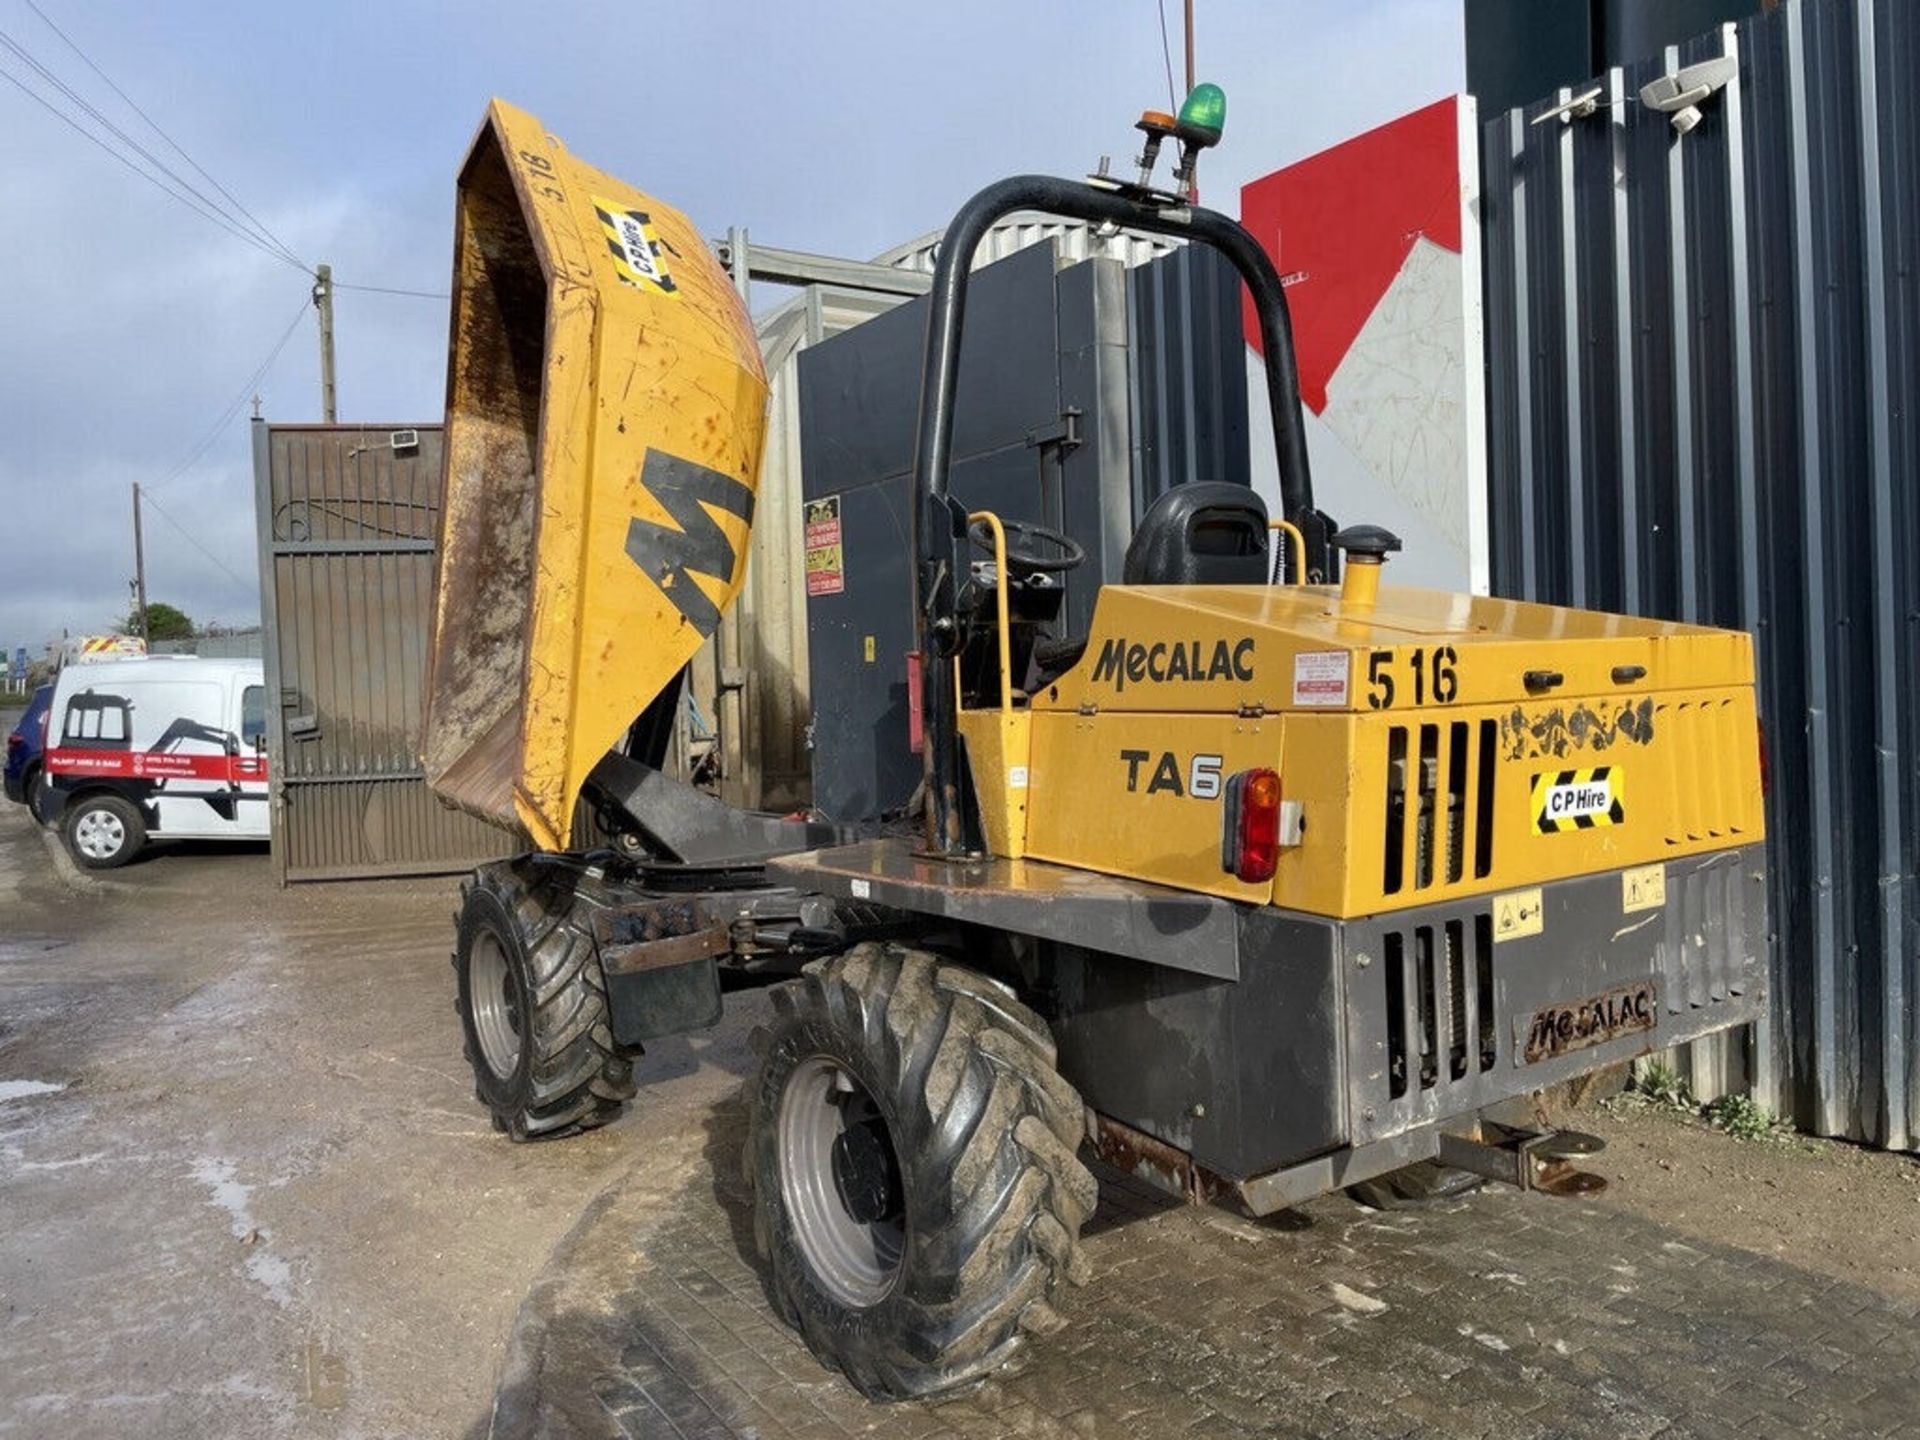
(348, 521)
(1704, 402)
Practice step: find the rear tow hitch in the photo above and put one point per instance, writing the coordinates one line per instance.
(1528, 1159)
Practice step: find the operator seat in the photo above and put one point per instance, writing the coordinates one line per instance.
(1203, 533)
(1206, 532)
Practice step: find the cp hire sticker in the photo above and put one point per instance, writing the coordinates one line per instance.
(634, 246)
(1566, 800)
(1320, 678)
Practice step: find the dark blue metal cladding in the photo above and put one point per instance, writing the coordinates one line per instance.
(1703, 364)
(1187, 372)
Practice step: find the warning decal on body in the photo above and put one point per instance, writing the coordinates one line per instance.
(1320, 678)
(1578, 799)
(635, 248)
(826, 562)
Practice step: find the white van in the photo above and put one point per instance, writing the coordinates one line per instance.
(164, 747)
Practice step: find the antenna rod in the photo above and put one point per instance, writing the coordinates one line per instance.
(1193, 185)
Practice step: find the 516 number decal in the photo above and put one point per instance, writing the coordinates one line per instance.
(1429, 675)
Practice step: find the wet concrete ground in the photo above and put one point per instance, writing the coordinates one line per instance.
(260, 1201)
(245, 1191)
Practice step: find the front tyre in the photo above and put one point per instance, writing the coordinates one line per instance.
(917, 1191)
(533, 1001)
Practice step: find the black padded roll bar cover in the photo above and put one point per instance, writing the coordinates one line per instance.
(1168, 548)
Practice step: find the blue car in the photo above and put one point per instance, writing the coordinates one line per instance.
(26, 747)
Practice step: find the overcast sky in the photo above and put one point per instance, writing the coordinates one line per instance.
(128, 324)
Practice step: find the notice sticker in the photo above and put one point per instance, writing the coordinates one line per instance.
(1320, 678)
(1643, 888)
(1518, 913)
(826, 563)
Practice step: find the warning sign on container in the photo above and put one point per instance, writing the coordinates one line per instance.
(826, 563)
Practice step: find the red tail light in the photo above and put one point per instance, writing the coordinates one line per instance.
(1250, 848)
(13, 740)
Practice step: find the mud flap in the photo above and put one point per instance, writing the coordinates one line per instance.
(661, 962)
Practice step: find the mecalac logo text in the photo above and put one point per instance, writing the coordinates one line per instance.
(1121, 664)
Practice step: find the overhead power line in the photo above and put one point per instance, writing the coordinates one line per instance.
(216, 204)
(146, 498)
(392, 290)
(151, 179)
(1166, 54)
(180, 187)
(254, 221)
(215, 430)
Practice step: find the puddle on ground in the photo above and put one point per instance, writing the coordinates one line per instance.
(271, 1272)
(228, 1193)
(21, 1089)
(323, 1377)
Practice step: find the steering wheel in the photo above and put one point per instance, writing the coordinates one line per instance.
(1025, 558)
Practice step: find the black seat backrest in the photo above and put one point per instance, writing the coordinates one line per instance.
(1204, 533)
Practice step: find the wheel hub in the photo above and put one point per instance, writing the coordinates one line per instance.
(495, 1001)
(99, 834)
(864, 1171)
(841, 1184)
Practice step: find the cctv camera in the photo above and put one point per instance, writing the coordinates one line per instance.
(1680, 93)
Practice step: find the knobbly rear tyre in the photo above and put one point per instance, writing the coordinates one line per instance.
(985, 1194)
(533, 1000)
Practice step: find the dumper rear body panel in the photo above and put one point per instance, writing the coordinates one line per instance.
(605, 411)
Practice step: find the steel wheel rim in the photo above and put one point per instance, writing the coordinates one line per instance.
(856, 1261)
(495, 1003)
(98, 834)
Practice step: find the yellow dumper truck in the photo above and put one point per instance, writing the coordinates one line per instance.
(1273, 880)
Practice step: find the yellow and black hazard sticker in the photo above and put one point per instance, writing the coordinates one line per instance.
(636, 250)
(1578, 799)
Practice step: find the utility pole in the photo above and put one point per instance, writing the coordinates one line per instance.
(323, 302)
(139, 566)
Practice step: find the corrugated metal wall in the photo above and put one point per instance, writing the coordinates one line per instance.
(762, 640)
(1704, 354)
(1187, 372)
(348, 527)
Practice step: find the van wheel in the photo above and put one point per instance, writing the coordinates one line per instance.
(917, 1191)
(34, 787)
(103, 832)
(533, 1002)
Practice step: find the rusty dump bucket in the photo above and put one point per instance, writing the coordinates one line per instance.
(605, 409)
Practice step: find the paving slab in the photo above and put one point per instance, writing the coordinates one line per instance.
(1501, 1314)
